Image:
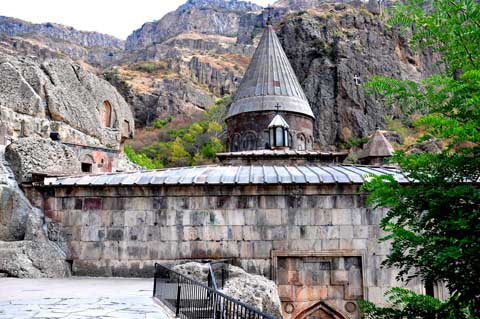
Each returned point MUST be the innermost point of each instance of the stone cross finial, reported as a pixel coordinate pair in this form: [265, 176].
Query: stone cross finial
[356, 78]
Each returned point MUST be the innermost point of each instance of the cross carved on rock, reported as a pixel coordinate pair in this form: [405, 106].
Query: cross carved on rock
[356, 78]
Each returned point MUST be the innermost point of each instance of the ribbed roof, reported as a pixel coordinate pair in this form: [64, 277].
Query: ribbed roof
[378, 146]
[244, 174]
[269, 80]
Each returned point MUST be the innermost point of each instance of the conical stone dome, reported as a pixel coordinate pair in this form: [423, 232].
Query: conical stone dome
[270, 80]
[269, 87]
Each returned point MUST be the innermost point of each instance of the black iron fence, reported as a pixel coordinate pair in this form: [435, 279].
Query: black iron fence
[218, 273]
[191, 299]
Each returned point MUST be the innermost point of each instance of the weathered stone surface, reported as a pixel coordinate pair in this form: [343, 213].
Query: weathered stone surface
[57, 95]
[32, 259]
[45, 38]
[18, 219]
[27, 155]
[254, 290]
[14, 210]
[24, 249]
[17, 94]
[204, 16]
[76, 96]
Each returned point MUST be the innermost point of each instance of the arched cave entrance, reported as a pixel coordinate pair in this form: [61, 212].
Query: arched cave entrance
[319, 310]
[106, 114]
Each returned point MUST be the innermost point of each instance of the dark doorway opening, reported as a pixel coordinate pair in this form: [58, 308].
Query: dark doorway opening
[86, 167]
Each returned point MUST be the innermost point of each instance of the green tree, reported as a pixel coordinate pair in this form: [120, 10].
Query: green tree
[142, 159]
[434, 222]
[179, 155]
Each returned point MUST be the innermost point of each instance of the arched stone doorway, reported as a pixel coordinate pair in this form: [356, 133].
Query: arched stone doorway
[319, 310]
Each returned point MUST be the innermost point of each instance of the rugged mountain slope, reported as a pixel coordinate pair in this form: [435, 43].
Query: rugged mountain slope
[181, 76]
[92, 47]
[183, 62]
[329, 48]
[218, 17]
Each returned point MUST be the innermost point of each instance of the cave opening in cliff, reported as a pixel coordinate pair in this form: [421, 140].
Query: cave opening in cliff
[107, 114]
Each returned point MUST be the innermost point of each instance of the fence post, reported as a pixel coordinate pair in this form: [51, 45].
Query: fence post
[223, 276]
[155, 281]
[177, 310]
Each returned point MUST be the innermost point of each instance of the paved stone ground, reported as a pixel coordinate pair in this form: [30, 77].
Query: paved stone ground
[72, 298]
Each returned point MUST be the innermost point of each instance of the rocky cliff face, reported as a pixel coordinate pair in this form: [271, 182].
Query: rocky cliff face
[333, 52]
[17, 27]
[58, 95]
[180, 76]
[219, 17]
[180, 64]
[25, 250]
[92, 47]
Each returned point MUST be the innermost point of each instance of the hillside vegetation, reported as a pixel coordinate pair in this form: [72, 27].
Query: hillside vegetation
[179, 141]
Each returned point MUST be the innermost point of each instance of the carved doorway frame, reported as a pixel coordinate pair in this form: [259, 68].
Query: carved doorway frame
[320, 305]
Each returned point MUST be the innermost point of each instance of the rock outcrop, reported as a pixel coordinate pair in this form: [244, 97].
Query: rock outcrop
[217, 17]
[181, 76]
[432, 145]
[92, 47]
[25, 251]
[32, 259]
[58, 95]
[39, 155]
[333, 52]
[254, 290]
[17, 27]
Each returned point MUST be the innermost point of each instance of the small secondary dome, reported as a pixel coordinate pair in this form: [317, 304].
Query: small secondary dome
[278, 121]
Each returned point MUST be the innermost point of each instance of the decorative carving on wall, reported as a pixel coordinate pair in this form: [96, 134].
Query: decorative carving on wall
[319, 283]
[249, 141]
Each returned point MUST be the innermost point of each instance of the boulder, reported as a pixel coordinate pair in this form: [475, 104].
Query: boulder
[39, 155]
[429, 146]
[14, 212]
[25, 250]
[32, 259]
[253, 290]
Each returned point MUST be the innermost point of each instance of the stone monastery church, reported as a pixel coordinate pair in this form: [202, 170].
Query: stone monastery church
[272, 204]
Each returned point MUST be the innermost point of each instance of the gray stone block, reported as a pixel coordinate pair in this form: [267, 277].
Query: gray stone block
[341, 217]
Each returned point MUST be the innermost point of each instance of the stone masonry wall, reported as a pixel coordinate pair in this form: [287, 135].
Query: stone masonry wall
[241, 126]
[123, 231]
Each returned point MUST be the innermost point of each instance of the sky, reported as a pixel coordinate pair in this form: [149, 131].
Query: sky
[115, 17]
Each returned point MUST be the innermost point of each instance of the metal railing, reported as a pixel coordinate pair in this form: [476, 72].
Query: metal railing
[191, 299]
[218, 273]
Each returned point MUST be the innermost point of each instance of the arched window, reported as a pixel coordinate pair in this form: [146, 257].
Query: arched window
[235, 143]
[309, 143]
[301, 142]
[106, 114]
[249, 142]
